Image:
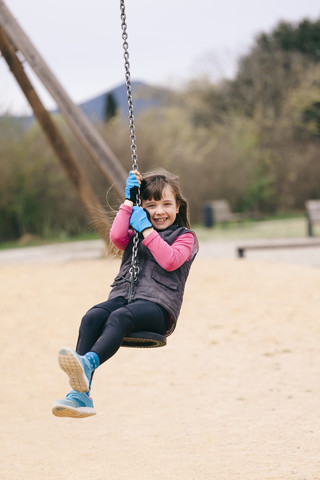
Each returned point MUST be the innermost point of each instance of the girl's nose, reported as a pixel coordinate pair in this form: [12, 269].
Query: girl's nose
[159, 209]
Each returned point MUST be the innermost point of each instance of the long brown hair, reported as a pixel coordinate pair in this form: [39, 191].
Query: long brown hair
[152, 187]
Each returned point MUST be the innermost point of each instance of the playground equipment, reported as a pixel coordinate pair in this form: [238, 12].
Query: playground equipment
[16, 48]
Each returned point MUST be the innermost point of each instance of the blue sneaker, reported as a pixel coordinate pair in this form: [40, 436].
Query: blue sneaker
[77, 368]
[75, 405]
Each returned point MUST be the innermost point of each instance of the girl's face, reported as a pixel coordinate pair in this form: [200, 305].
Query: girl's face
[162, 212]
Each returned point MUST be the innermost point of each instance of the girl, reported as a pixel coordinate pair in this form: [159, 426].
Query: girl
[166, 250]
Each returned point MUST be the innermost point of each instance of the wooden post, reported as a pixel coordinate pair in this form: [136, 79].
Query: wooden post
[75, 118]
[74, 172]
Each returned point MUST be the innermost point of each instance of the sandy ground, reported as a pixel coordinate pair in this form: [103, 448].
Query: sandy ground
[235, 394]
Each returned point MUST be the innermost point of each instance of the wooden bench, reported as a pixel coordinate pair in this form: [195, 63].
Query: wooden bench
[219, 211]
[313, 214]
[276, 244]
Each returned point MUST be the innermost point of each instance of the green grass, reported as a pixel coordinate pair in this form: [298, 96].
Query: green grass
[271, 228]
[280, 227]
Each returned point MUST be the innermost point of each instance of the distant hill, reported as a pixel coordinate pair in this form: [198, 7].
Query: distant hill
[144, 97]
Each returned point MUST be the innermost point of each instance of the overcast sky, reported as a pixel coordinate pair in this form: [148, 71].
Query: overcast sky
[170, 41]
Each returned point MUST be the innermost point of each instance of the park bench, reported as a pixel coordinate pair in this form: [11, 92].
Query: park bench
[219, 211]
[313, 214]
[276, 244]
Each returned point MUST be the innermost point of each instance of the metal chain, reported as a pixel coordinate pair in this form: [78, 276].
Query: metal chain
[134, 269]
[125, 46]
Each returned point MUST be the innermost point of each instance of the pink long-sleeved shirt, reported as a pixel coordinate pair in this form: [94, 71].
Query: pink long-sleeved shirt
[169, 257]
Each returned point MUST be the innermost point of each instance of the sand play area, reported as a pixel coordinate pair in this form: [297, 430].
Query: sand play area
[234, 396]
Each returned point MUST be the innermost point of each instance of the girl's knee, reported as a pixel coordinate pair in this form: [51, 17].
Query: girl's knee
[121, 319]
[95, 317]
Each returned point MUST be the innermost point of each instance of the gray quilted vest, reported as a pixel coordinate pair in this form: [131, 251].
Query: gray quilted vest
[154, 283]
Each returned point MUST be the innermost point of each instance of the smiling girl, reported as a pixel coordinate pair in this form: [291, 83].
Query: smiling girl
[166, 251]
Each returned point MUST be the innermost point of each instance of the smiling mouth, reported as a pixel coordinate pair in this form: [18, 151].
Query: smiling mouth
[160, 220]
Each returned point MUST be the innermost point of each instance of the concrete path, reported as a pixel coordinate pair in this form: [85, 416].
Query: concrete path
[86, 250]
[58, 252]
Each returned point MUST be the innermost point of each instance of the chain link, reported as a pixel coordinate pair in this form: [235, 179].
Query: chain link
[134, 269]
[125, 46]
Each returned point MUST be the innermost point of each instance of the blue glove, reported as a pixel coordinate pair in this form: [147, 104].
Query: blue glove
[132, 187]
[139, 219]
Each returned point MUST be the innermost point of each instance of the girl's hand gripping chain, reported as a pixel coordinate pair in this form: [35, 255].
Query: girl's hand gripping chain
[139, 219]
[132, 186]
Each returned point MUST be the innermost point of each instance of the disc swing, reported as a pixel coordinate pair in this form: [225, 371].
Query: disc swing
[135, 339]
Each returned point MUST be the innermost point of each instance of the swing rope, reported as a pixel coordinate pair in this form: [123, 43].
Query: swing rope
[135, 339]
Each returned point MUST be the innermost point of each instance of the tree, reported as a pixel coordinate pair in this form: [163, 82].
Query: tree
[278, 63]
[303, 37]
[111, 107]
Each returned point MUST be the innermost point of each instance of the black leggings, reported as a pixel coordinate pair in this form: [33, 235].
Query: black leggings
[105, 325]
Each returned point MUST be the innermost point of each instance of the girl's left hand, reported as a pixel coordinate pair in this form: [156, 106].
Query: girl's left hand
[139, 219]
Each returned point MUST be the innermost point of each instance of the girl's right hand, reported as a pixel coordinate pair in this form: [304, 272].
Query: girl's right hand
[132, 185]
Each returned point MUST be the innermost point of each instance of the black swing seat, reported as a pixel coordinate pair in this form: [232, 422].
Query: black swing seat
[144, 340]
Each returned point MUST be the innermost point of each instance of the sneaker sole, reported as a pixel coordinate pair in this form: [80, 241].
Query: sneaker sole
[72, 367]
[81, 412]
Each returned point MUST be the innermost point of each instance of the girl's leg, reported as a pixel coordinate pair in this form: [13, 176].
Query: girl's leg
[136, 316]
[101, 332]
[93, 323]
[80, 365]
[149, 316]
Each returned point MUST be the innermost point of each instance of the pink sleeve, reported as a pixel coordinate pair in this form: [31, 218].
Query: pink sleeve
[120, 234]
[170, 257]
